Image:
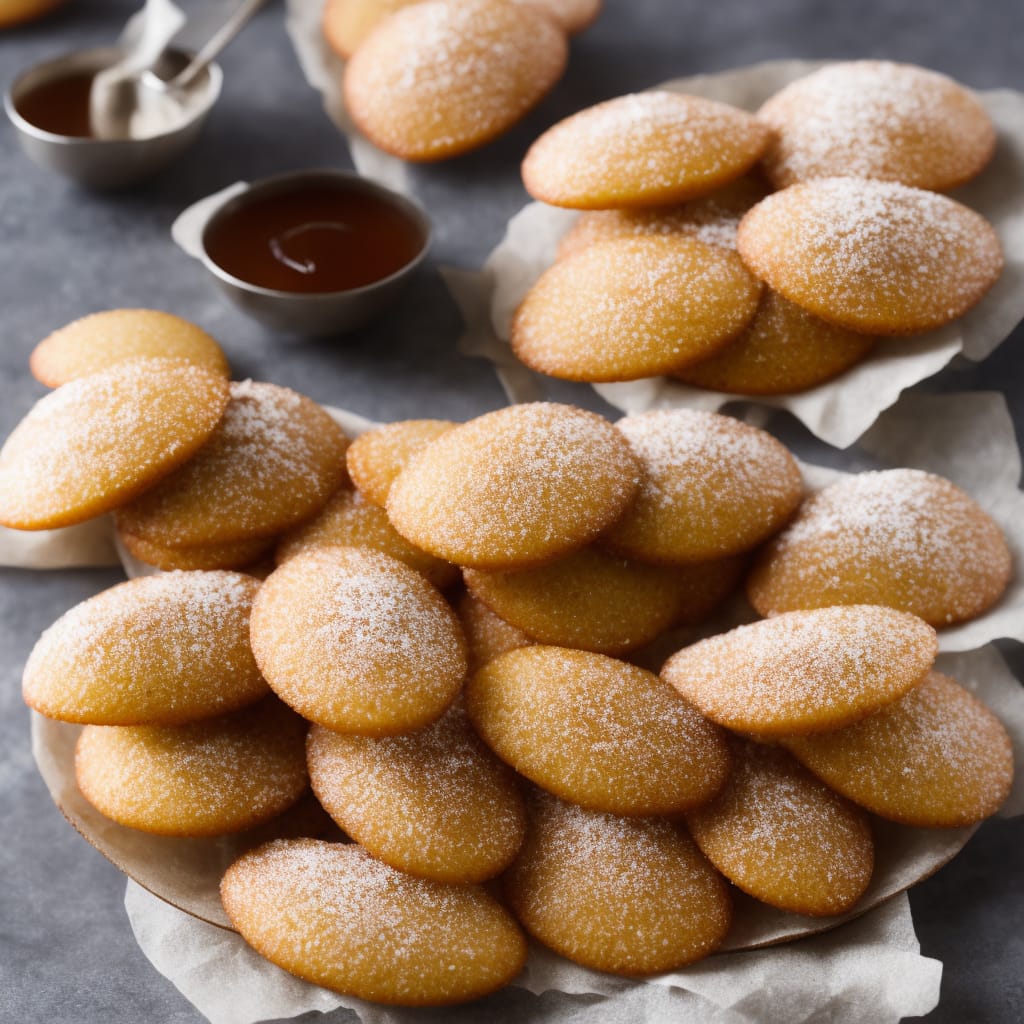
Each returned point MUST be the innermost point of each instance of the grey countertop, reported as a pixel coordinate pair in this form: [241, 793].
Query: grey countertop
[66, 950]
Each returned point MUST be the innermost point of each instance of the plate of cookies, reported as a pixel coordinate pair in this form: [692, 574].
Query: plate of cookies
[405, 697]
[829, 237]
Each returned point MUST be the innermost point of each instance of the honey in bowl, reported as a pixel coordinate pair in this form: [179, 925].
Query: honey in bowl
[314, 236]
[60, 106]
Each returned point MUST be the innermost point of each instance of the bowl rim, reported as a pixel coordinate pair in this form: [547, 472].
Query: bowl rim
[407, 205]
[97, 58]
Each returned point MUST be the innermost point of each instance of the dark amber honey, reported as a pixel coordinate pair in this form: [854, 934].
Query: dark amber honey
[314, 237]
[60, 106]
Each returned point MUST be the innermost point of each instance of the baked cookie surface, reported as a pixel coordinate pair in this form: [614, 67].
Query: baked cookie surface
[644, 149]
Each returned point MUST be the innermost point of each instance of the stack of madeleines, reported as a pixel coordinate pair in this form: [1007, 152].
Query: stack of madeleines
[685, 262]
[431, 79]
[505, 728]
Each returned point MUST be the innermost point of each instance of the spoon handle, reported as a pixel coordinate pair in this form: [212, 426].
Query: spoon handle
[216, 43]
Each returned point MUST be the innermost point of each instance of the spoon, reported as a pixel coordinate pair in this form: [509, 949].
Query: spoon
[136, 102]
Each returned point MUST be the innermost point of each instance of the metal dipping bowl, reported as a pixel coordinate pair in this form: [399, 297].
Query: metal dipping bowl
[107, 163]
[315, 314]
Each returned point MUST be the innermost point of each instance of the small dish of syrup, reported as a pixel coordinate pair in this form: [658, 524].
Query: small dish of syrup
[313, 252]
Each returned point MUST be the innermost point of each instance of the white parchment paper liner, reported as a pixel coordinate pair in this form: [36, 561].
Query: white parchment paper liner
[838, 411]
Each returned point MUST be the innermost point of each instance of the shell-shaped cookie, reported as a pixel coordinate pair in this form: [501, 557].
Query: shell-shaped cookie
[596, 731]
[101, 340]
[331, 914]
[804, 672]
[164, 649]
[938, 758]
[900, 537]
[346, 23]
[207, 778]
[274, 459]
[98, 441]
[643, 149]
[633, 307]
[487, 634]
[713, 218]
[375, 458]
[783, 837]
[349, 520]
[784, 349]
[357, 641]
[439, 78]
[712, 487]
[517, 487]
[435, 803]
[630, 896]
[594, 601]
[872, 256]
[877, 119]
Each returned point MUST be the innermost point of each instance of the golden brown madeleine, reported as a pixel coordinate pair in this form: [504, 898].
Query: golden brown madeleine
[900, 537]
[163, 650]
[207, 778]
[644, 149]
[872, 256]
[357, 641]
[589, 600]
[331, 914]
[437, 79]
[487, 634]
[596, 731]
[375, 458]
[631, 896]
[101, 340]
[346, 23]
[435, 803]
[515, 488]
[804, 672]
[99, 441]
[274, 459]
[236, 555]
[783, 837]
[784, 349]
[712, 487]
[938, 758]
[632, 308]
[713, 218]
[349, 520]
[877, 119]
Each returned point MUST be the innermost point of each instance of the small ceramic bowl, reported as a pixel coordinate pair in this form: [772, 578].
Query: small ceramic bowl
[107, 163]
[315, 314]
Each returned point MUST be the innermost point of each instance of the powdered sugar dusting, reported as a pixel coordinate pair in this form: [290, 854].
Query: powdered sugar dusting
[783, 837]
[901, 537]
[207, 778]
[274, 459]
[877, 119]
[640, 149]
[435, 802]
[165, 648]
[515, 487]
[99, 440]
[804, 672]
[712, 486]
[596, 731]
[332, 914]
[441, 77]
[356, 640]
[632, 307]
[872, 255]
